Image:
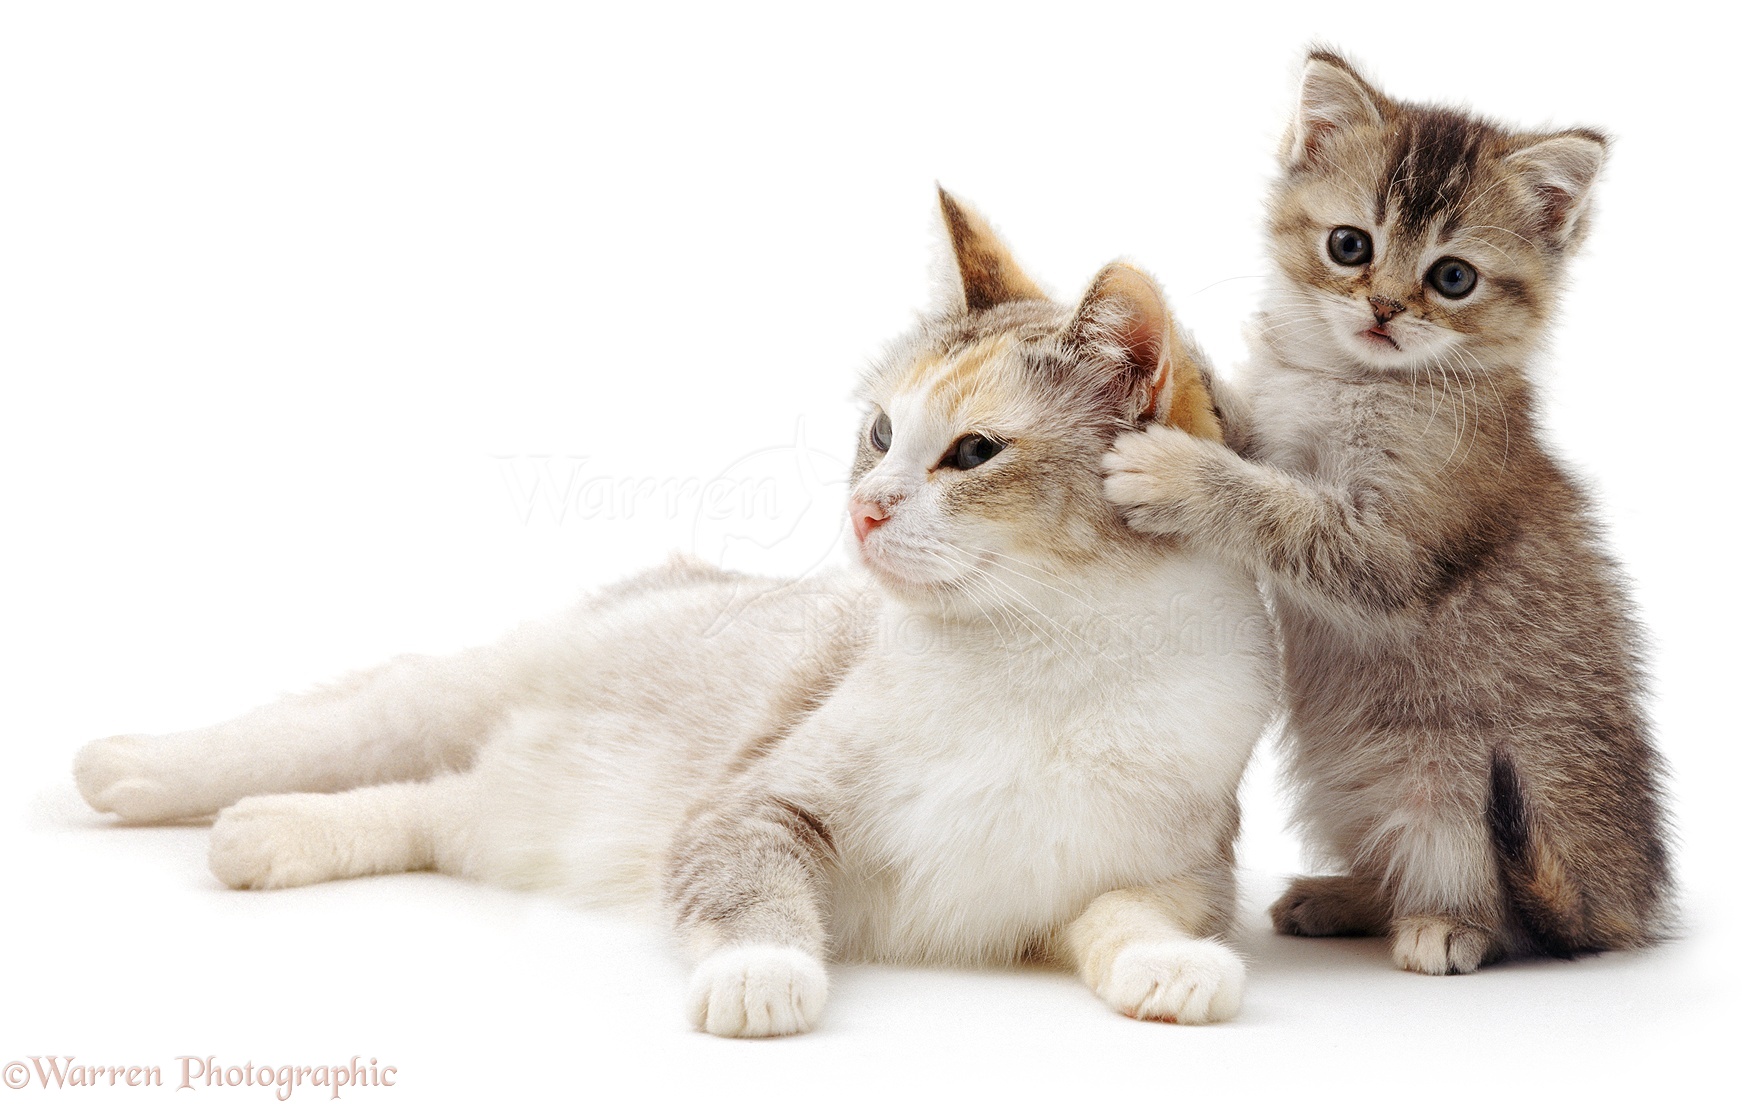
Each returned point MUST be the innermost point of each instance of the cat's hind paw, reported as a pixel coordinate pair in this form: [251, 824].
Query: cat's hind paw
[752, 991]
[117, 775]
[277, 841]
[1333, 905]
[1185, 981]
[1441, 945]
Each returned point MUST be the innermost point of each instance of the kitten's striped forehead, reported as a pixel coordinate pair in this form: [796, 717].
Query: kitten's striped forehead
[1431, 160]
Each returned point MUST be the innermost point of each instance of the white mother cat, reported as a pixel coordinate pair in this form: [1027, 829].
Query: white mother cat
[1017, 732]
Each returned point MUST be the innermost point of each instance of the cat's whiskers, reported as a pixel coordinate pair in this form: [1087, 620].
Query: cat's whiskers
[1082, 596]
[1461, 238]
[1483, 195]
[1060, 638]
[1498, 402]
[1502, 230]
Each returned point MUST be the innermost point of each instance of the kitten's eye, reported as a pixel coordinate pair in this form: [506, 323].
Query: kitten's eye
[971, 452]
[1349, 245]
[1451, 278]
[880, 432]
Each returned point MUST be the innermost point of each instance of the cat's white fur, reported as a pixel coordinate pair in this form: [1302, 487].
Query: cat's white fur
[1045, 766]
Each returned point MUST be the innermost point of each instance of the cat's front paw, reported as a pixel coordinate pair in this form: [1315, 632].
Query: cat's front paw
[758, 990]
[119, 775]
[1152, 476]
[1441, 945]
[1185, 981]
[274, 842]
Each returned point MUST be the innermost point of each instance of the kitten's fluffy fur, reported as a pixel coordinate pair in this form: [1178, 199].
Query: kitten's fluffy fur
[1020, 734]
[1466, 729]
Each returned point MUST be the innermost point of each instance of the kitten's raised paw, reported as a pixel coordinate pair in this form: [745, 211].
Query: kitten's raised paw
[274, 842]
[757, 990]
[116, 775]
[1151, 474]
[1441, 945]
[1183, 981]
[1329, 906]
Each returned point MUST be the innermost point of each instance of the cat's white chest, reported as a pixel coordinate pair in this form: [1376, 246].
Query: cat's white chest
[990, 814]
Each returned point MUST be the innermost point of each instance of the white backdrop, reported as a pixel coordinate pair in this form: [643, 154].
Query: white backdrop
[332, 331]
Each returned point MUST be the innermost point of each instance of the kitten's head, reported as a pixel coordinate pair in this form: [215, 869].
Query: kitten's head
[978, 478]
[1409, 236]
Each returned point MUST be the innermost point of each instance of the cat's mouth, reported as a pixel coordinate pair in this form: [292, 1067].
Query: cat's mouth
[900, 570]
[1378, 337]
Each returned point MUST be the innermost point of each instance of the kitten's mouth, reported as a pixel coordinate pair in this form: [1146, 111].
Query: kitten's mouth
[1379, 336]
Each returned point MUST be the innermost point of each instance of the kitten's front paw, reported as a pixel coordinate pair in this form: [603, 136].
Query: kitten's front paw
[117, 775]
[274, 842]
[1441, 945]
[1184, 981]
[757, 990]
[1151, 476]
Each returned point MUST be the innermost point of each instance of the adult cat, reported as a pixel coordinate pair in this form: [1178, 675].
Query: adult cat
[1018, 731]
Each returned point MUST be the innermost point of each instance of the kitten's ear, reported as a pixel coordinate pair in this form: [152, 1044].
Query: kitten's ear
[1332, 98]
[1127, 345]
[986, 274]
[1559, 170]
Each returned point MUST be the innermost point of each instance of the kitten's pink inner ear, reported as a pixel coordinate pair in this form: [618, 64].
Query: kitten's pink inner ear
[1560, 171]
[1332, 98]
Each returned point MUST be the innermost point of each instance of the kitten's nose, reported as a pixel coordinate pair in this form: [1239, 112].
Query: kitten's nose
[1385, 309]
[866, 516]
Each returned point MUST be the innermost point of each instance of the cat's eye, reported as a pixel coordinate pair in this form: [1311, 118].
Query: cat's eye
[971, 451]
[1451, 278]
[880, 432]
[1349, 245]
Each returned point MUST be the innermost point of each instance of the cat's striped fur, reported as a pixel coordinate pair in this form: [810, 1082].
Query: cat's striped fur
[1463, 666]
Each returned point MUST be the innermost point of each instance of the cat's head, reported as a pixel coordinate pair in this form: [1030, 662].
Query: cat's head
[1409, 237]
[978, 477]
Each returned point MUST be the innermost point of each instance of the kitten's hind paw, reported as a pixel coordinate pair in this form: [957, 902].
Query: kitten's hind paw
[757, 990]
[117, 775]
[1341, 905]
[1442, 945]
[1184, 981]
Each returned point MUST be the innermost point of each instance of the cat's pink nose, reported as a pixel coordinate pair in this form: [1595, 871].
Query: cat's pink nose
[1385, 309]
[866, 516]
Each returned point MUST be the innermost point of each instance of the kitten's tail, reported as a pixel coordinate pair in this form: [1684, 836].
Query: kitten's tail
[1544, 898]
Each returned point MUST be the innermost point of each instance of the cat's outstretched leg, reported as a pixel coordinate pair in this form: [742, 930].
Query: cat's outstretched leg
[275, 841]
[745, 886]
[1148, 952]
[408, 719]
[1343, 904]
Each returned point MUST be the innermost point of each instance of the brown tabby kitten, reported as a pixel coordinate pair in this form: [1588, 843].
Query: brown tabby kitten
[1466, 731]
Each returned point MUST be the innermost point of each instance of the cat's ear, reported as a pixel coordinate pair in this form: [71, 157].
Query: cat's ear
[1559, 170]
[1127, 347]
[985, 274]
[1332, 98]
